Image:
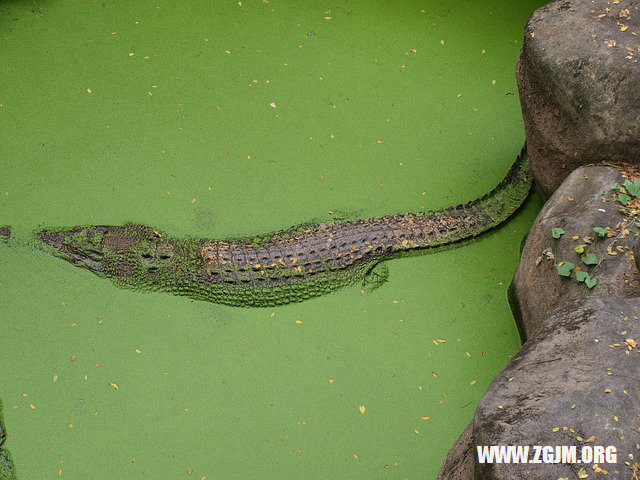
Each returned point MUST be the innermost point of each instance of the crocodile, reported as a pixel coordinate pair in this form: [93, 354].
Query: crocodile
[280, 267]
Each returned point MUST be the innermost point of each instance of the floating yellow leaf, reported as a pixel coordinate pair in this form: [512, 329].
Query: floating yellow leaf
[426, 417]
[362, 408]
[115, 386]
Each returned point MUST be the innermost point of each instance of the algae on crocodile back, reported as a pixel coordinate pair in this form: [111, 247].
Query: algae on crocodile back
[7, 472]
[281, 267]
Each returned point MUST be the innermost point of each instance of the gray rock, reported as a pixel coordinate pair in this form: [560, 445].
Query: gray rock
[579, 77]
[584, 201]
[575, 383]
[459, 462]
[7, 471]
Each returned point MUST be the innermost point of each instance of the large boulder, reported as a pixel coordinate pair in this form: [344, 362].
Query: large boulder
[575, 383]
[459, 463]
[584, 201]
[579, 77]
[7, 471]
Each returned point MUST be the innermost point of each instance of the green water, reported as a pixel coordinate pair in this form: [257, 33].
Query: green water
[160, 113]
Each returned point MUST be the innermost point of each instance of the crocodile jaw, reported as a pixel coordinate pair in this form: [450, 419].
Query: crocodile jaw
[66, 246]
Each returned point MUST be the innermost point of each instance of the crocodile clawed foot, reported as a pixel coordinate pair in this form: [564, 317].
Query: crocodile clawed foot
[375, 277]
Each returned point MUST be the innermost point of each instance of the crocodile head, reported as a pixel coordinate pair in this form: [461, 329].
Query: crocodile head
[132, 253]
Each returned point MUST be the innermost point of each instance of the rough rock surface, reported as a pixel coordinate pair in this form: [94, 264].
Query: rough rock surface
[7, 471]
[460, 460]
[576, 382]
[579, 77]
[584, 201]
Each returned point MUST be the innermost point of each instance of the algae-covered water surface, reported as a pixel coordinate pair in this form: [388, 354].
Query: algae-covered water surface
[224, 118]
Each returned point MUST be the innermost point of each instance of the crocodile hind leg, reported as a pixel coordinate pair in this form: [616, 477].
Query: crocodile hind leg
[375, 277]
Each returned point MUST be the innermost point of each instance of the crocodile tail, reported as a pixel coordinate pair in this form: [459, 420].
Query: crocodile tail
[511, 192]
[493, 208]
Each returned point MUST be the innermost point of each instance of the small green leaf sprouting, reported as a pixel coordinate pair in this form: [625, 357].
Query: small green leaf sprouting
[602, 233]
[581, 276]
[623, 198]
[564, 268]
[632, 188]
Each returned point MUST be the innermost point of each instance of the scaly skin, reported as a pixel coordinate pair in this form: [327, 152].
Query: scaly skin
[281, 267]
